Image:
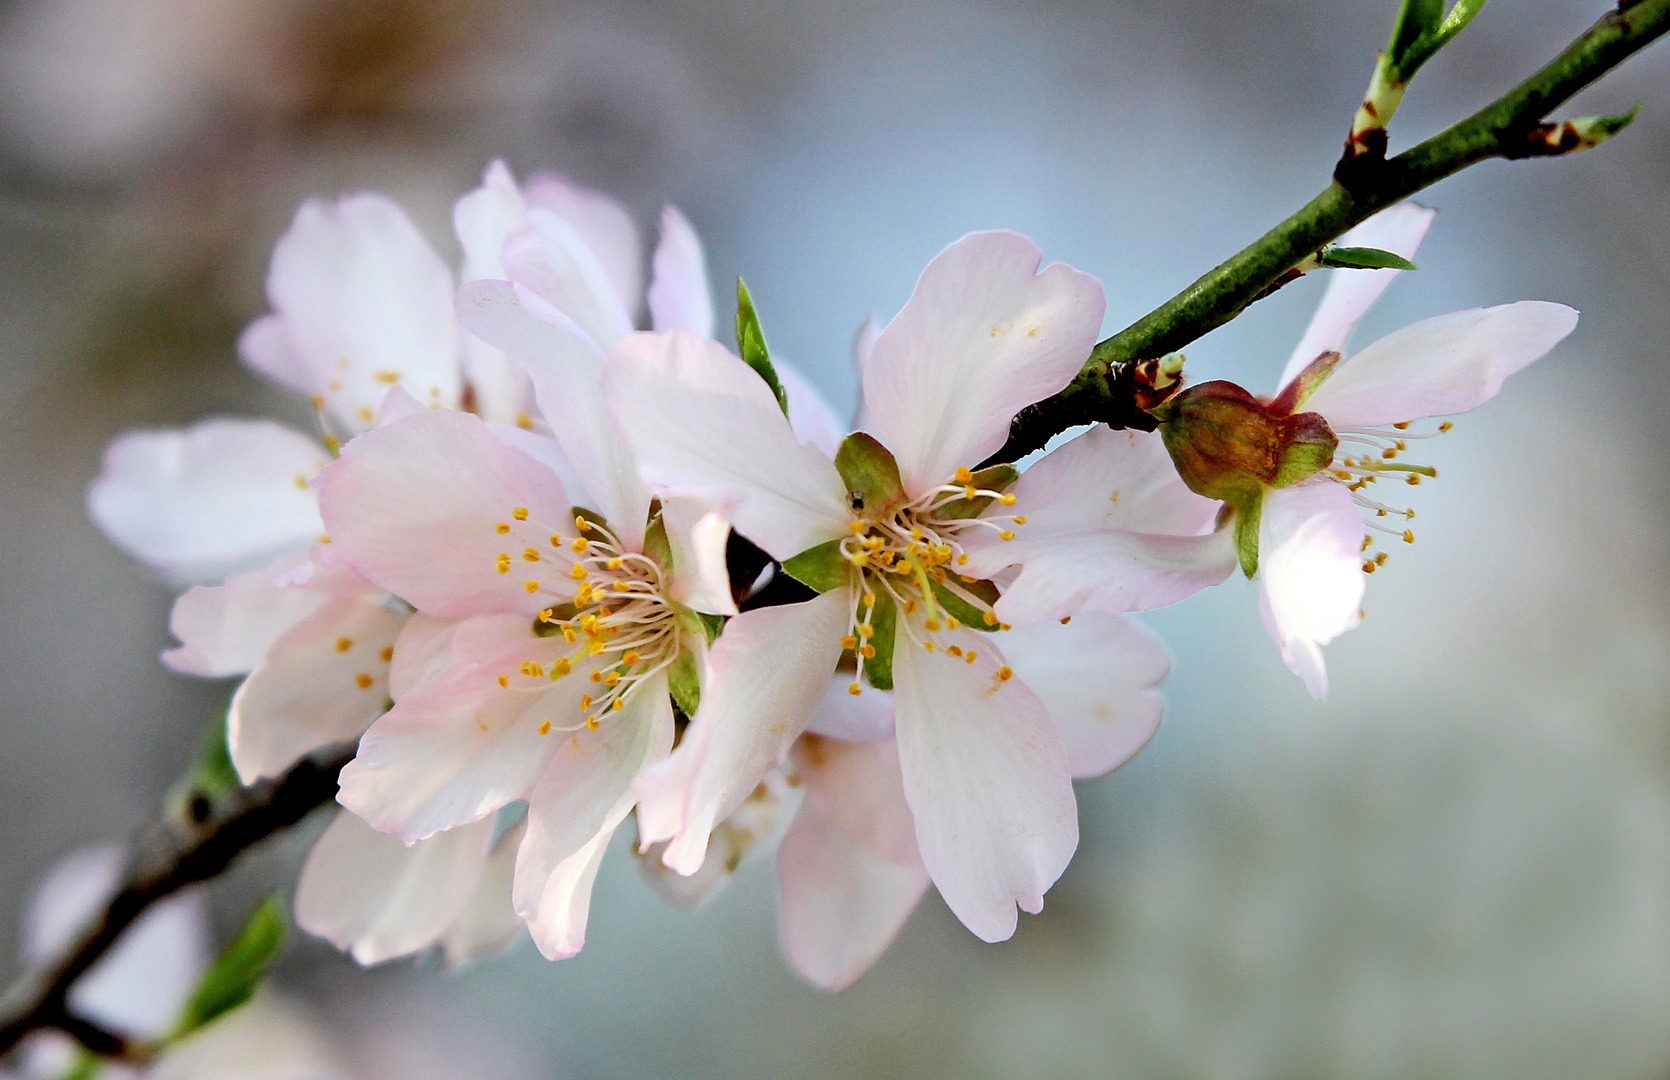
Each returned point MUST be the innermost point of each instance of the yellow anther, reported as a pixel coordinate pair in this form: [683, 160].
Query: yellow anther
[578, 546]
[332, 443]
[545, 727]
[1368, 567]
[631, 657]
[1366, 543]
[928, 645]
[855, 689]
[582, 595]
[910, 606]
[366, 415]
[1380, 559]
[1413, 481]
[1004, 626]
[344, 644]
[596, 677]
[577, 572]
[970, 578]
[502, 527]
[1389, 453]
[1446, 425]
[533, 669]
[969, 492]
[857, 527]
[504, 681]
[612, 679]
[1006, 534]
[1065, 619]
[849, 642]
[585, 702]
[581, 523]
[951, 622]
[547, 614]
[591, 722]
[569, 635]
[971, 656]
[556, 541]
[963, 475]
[318, 401]
[865, 630]
[962, 560]
[520, 513]
[615, 563]
[620, 703]
[364, 680]
[530, 555]
[1380, 513]
[387, 654]
[524, 421]
[989, 619]
[1006, 499]
[623, 586]
[531, 587]
[1403, 426]
[1020, 519]
[1004, 674]
[867, 651]
[1409, 514]
[561, 667]
[955, 650]
[932, 625]
[1409, 536]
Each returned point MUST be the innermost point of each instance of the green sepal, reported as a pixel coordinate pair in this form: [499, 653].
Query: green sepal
[1248, 513]
[870, 474]
[590, 515]
[236, 974]
[964, 612]
[1362, 258]
[684, 680]
[561, 613]
[995, 478]
[820, 568]
[1308, 449]
[750, 344]
[884, 618]
[657, 545]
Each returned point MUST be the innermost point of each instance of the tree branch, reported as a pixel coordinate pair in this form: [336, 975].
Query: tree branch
[175, 855]
[1510, 127]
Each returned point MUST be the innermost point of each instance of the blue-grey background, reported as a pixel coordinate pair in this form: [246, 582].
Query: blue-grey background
[1457, 867]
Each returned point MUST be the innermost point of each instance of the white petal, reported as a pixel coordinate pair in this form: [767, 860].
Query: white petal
[811, 417]
[1110, 572]
[483, 219]
[1398, 229]
[764, 679]
[602, 223]
[227, 629]
[323, 682]
[365, 302]
[678, 294]
[984, 335]
[372, 896]
[1310, 571]
[1106, 479]
[987, 780]
[848, 872]
[699, 534]
[559, 927]
[753, 827]
[422, 651]
[551, 260]
[865, 717]
[221, 497]
[489, 923]
[1099, 677]
[701, 420]
[565, 367]
[1441, 366]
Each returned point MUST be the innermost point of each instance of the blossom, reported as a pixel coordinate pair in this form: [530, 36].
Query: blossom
[1308, 538]
[881, 532]
[849, 870]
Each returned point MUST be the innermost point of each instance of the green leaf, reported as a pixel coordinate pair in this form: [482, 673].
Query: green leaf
[750, 344]
[212, 777]
[996, 478]
[1416, 20]
[238, 972]
[821, 568]
[884, 618]
[1362, 258]
[1248, 514]
[685, 682]
[871, 475]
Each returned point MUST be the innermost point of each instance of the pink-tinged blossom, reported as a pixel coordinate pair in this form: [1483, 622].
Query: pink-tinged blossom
[1313, 553]
[985, 333]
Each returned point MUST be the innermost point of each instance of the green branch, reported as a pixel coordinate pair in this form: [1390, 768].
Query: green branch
[1510, 127]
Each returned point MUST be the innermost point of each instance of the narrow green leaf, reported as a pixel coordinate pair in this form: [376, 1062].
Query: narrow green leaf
[884, 619]
[1417, 19]
[821, 568]
[1362, 258]
[685, 682]
[870, 473]
[238, 972]
[1460, 15]
[750, 344]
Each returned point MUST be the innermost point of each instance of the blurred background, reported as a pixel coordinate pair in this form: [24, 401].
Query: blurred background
[1458, 866]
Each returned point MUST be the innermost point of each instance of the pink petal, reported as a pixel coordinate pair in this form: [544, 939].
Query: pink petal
[984, 335]
[863, 348]
[488, 924]
[375, 898]
[702, 421]
[559, 925]
[416, 506]
[602, 223]
[1099, 677]
[865, 717]
[699, 534]
[763, 681]
[221, 497]
[422, 651]
[365, 301]
[848, 872]
[1310, 572]
[678, 294]
[227, 629]
[483, 219]
[552, 261]
[811, 416]
[1110, 572]
[1441, 366]
[1398, 229]
[988, 782]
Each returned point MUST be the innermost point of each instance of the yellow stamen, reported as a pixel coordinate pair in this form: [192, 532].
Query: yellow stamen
[520, 513]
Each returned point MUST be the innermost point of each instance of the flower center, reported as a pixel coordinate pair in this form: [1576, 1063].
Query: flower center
[1368, 456]
[910, 555]
[613, 616]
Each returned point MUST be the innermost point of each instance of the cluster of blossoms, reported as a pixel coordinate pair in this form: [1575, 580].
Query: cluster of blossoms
[551, 572]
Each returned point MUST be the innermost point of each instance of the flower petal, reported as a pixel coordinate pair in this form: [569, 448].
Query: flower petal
[701, 420]
[422, 651]
[375, 898]
[1441, 366]
[366, 302]
[811, 417]
[1110, 572]
[984, 335]
[763, 681]
[483, 219]
[1398, 229]
[1099, 677]
[323, 682]
[848, 872]
[227, 629]
[988, 782]
[552, 261]
[221, 497]
[863, 348]
[416, 506]
[566, 368]
[559, 926]
[757, 825]
[460, 746]
[866, 717]
[1106, 479]
[1310, 571]
[601, 222]
[699, 534]
[489, 923]
[678, 294]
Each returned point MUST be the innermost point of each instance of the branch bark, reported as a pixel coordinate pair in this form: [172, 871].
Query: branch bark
[1510, 127]
[175, 855]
